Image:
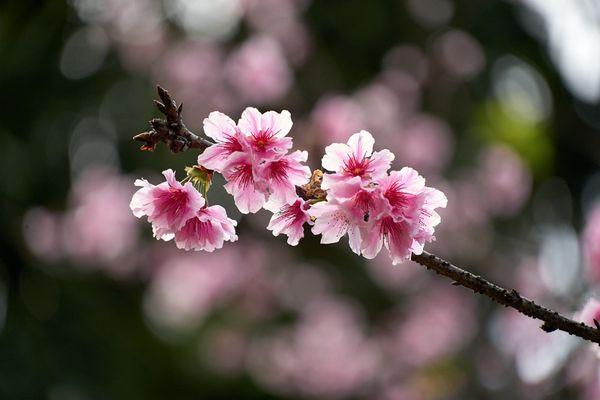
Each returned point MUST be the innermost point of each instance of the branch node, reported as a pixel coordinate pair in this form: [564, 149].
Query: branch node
[170, 131]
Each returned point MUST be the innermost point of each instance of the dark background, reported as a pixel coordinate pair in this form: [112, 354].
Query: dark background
[488, 91]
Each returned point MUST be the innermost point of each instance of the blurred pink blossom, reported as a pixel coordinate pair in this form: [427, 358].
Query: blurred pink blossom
[537, 354]
[430, 13]
[98, 227]
[188, 286]
[465, 217]
[298, 285]
[434, 325]
[426, 143]
[408, 59]
[407, 90]
[281, 20]
[380, 106]
[460, 53]
[326, 355]
[505, 180]
[125, 21]
[258, 70]
[591, 245]
[335, 116]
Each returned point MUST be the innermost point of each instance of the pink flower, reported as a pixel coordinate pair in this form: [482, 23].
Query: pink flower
[283, 175]
[356, 158]
[249, 193]
[335, 219]
[223, 130]
[168, 205]
[408, 221]
[252, 157]
[266, 133]
[347, 211]
[397, 234]
[207, 230]
[590, 312]
[290, 220]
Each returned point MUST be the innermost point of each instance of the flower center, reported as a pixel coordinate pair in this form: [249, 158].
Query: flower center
[263, 139]
[356, 167]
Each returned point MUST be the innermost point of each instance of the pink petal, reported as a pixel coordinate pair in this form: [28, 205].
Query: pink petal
[219, 126]
[334, 157]
[278, 123]
[361, 144]
[380, 162]
[331, 222]
[250, 122]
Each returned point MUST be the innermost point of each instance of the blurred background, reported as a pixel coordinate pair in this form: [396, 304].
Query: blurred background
[494, 102]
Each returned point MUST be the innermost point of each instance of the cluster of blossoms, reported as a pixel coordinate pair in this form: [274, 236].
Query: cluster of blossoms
[358, 196]
[180, 212]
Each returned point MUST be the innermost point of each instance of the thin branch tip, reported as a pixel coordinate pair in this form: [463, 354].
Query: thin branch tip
[508, 297]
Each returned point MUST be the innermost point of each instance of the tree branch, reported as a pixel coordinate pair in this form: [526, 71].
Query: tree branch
[509, 298]
[178, 138]
[171, 131]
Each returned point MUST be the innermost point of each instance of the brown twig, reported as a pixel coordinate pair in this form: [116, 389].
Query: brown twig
[178, 138]
[509, 298]
[171, 131]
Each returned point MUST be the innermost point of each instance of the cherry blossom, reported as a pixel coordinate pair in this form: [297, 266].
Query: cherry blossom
[408, 222]
[223, 130]
[372, 207]
[283, 175]
[253, 158]
[358, 198]
[207, 230]
[168, 205]
[290, 220]
[348, 208]
[249, 193]
[266, 134]
[334, 220]
[355, 158]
